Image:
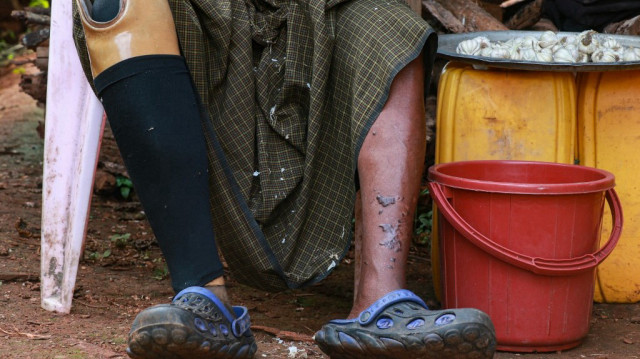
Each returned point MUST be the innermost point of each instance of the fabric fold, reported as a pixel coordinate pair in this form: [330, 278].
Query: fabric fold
[291, 88]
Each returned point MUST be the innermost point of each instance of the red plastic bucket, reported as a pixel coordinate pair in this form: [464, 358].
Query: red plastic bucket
[519, 241]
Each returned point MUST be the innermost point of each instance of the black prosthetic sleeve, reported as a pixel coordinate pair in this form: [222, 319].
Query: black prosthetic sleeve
[156, 118]
[105, 10]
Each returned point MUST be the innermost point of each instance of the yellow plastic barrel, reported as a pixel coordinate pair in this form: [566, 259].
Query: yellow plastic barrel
[609, 139]
[499, 114]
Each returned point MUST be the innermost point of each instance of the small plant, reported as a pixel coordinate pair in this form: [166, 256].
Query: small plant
[40, 3]
[97, 255]
[423, 221]
[120, 240]
[8, 51]
[160, 273]
[125, 185]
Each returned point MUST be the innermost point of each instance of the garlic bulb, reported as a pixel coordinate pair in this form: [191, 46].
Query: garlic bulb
[515, 54]
[611, 43]
[563, 55]
[573, 50]
[605, 55]
[528, 54]
[500, 53]
[517, 42]
[529, 42]
[587, 42]
[556, 47]
[548, 39]
[631, 55]
[544, 55]
[484, 41]
[568, 40]
[468, 47]
[486, 52]
[473, 46]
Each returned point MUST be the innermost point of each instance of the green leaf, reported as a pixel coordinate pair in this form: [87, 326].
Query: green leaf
[120, 240]
[122, 181]
[39, 3]
[117, 237]
[124, 192]
[106, 253]
[161, 273]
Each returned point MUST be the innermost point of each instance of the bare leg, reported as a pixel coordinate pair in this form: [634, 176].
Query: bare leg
[390, 167]
[357, 244]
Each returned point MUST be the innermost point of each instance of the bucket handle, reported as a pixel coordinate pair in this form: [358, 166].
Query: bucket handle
[550, 267]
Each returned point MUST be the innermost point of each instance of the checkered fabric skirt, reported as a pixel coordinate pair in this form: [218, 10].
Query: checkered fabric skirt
[291, 88]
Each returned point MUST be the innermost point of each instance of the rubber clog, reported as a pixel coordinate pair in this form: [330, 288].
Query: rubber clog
[400, 326]
[196, 325]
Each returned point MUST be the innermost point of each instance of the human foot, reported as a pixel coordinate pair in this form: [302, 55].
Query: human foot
[195, 325]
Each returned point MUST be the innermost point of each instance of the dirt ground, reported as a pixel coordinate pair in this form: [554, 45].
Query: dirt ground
[123, 272]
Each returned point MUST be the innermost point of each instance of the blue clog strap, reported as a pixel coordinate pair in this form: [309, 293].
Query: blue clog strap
[240, 322]
[401, 295]
[369, 314]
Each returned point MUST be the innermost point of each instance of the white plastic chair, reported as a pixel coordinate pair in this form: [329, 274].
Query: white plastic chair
[73, 131]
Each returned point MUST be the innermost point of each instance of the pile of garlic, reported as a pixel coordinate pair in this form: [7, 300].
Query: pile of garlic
[586, 46]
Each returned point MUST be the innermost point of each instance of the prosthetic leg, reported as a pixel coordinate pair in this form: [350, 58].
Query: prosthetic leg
[141, 27]
[157, 121]
[155, 115]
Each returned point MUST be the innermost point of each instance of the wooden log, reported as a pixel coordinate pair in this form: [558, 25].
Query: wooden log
[472, 16]
[493, 8]
[283, 334]
[415, 6]
[42, 58]
[13, 49]
[39, 10]
[18, 277]
[104, 183]
[625, 27]
[526, 17]
[31, 18]
[544, 25]
[33, 39]
[35, 86]
[444, 17]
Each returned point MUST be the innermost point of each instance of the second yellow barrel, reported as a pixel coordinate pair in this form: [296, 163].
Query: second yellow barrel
[609, 138]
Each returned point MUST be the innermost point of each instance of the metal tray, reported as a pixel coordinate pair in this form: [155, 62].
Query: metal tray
[447, 48]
